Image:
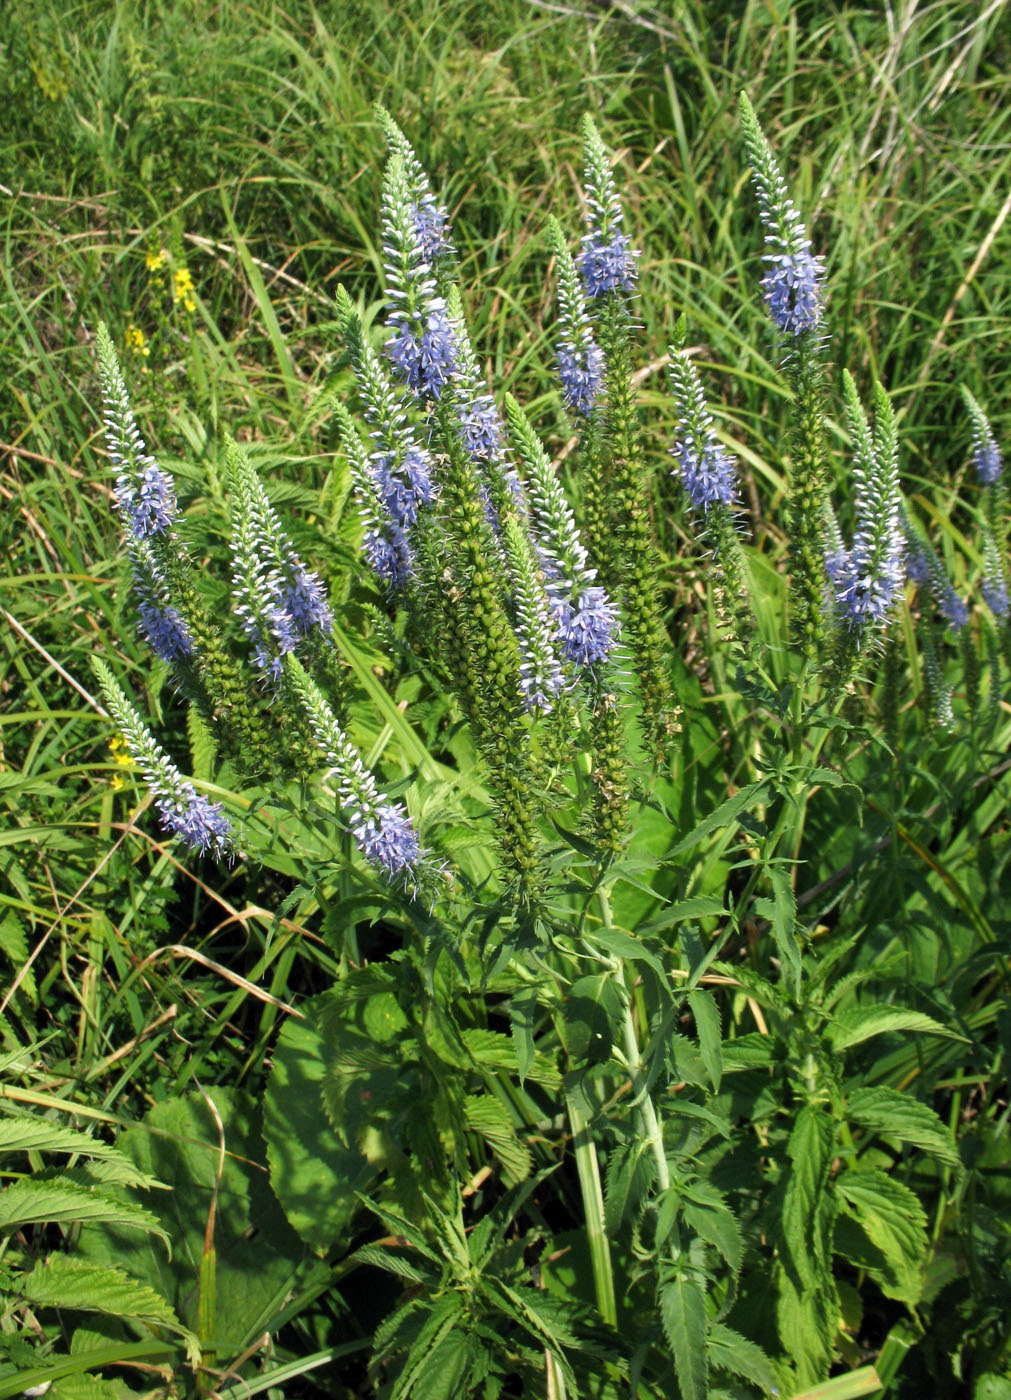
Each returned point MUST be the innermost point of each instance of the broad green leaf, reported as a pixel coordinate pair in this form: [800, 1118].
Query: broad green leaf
[65, 1281]
[862, 1023]
[810, 1151]
[258, 1255]
[896, 1115]
[35, 1202]
[707, 1023]
[592, 1011]
[894, 1221]
[729, 1351]
[315, 1176]
[683, 1314]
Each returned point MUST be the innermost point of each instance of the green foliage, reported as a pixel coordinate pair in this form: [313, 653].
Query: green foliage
[721, 1110]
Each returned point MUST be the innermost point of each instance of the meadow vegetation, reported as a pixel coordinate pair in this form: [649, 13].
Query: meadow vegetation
[800, 908]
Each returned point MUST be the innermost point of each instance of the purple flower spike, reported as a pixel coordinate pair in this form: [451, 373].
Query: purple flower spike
[304, 600]
[708, 475]
[425, 362]
[482, 429]
[165, 631]
[200, 823]
[987, 460]
[588, 631]
[995, 595]
[150, 504]
[386, 839]
[582, 376]
[388, 558]
[952, 609]
[431, 228]
[607, 265]
[793, 289]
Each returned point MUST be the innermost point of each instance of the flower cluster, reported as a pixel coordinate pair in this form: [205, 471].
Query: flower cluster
[607, 262]
[584, 617]
[986, 455]
[279, 602]
[580, 359]
[184, 812]
[163, 625]
[381, 829]
[793, 287]
[707, 472]
[867, 579]
[143, 492]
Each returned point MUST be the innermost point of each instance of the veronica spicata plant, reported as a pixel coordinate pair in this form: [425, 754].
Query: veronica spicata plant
[600, 1097]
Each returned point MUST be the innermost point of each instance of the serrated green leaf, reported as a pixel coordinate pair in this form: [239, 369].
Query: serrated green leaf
[724, 815]
[729, 1351]
[629, 1176]
[63, 1281]
[707, 1024]
[491, 1121]
[810, 1151]
[784, 920]
[862, 1023]
[14, 942]
[683, 1315]
[807, 1319]
[34, 1202]
[897, 1115]
[623, 945]
[710, 1217]
[203, 746]
[894, 1221]
[315, 1176]
[258, 1255]
[29, 1133]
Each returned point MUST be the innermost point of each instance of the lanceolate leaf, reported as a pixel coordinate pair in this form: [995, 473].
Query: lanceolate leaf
[895, 1115]
[34, 1202]
[729, 1351]
[683, 1314]
[707, 1023]
[65, 1282]
[24, 1133]
[862, 1023]
[711, 1218]
[810, 1152]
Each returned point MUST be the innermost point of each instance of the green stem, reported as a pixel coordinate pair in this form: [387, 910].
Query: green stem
[593, 1208]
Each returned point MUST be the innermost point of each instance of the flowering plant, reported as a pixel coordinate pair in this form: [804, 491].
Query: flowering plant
[534, 1060]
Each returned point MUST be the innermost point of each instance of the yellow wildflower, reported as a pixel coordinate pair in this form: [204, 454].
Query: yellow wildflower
[154, 260]
[136, 341]
[182, 289]
[116, 783]
[120, 752]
